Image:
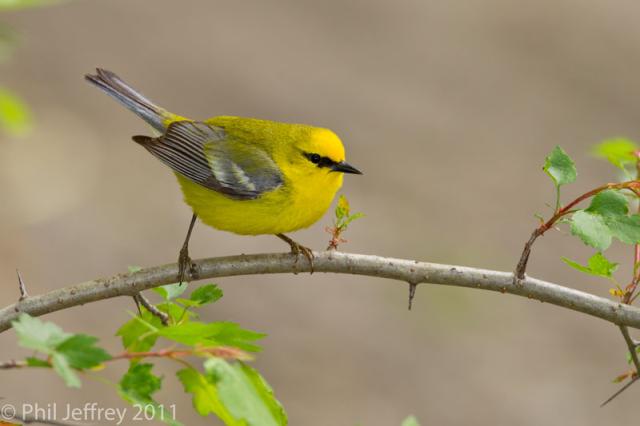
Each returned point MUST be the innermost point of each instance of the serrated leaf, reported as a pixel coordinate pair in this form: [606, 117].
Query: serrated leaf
[625, 228]
[245, 393]
[410, 421]
[212, 334]
[81, 352]
[606, 217]
[598, 265]
[66, 351]
[171, 291]
[206, 294]
[62, 367]
[38, 335]
[139, 384]
[138, 334]
[609, 203]
[205, 396]
[560, 167]
[591, 229]
[619, 151]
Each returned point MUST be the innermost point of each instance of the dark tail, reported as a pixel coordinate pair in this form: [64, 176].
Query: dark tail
[113, 86]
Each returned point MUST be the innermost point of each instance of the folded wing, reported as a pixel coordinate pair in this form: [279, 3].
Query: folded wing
[204, 154]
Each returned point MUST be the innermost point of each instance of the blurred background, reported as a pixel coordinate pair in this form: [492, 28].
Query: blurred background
[449, 108]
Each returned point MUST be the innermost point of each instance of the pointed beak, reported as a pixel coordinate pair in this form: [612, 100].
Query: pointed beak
[345, 168]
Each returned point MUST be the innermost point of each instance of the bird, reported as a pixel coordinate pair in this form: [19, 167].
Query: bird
[243, 175]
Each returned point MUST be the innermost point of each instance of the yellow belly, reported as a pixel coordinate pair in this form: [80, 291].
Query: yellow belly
[283, 210]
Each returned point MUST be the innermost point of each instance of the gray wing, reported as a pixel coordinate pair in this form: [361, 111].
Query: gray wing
[204, 154]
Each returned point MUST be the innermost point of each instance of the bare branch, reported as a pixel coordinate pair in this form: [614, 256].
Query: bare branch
[634, 357]
[11, 364]
[622, 389]
[335, 262]
[632, 347]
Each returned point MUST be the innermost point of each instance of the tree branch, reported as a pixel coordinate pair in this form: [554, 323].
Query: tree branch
[408, 271]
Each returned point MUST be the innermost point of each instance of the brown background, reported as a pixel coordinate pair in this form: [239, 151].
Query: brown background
[448, 107]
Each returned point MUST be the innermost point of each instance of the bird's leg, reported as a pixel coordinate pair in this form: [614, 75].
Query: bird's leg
[298, 249]
[184, 261]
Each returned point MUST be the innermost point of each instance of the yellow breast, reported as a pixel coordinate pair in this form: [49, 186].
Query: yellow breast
[297, 204]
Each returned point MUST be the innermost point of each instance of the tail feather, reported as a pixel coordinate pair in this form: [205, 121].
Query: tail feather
[115, 87]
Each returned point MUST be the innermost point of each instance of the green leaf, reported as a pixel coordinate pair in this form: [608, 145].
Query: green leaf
[342, 208]
[619, 151]
[626, 228]
[138, 334]
[351, 218]
[170, 291]
[410, 421]
[139, 384]
[206, 294]
[245, 393]
[62, 367]
[605, 218]
[213, 334]
[81, 352]
[38, 335]
[343, 214]
[560, 167]
[598, 265]
[66, 351]
[137, 387]
[205, 396]
[591, 229]
[15, 117]
[609, 203]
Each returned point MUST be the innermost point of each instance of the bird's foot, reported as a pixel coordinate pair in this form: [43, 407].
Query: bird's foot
[298, 249]
[185, 264]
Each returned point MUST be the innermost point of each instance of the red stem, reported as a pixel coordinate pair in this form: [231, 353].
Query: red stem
[633, 185]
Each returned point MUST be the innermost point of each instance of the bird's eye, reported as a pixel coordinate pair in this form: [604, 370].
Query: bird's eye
[315, 158]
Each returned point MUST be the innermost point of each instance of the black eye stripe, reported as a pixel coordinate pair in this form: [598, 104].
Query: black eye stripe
[319, 160]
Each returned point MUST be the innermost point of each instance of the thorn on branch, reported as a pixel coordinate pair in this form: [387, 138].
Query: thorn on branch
[141, 300]
[412, 293]
[21, 285]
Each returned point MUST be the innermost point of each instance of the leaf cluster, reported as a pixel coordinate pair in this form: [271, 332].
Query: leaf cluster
[221, 383]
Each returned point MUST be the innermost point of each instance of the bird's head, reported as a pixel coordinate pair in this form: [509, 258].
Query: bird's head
[322, 154]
